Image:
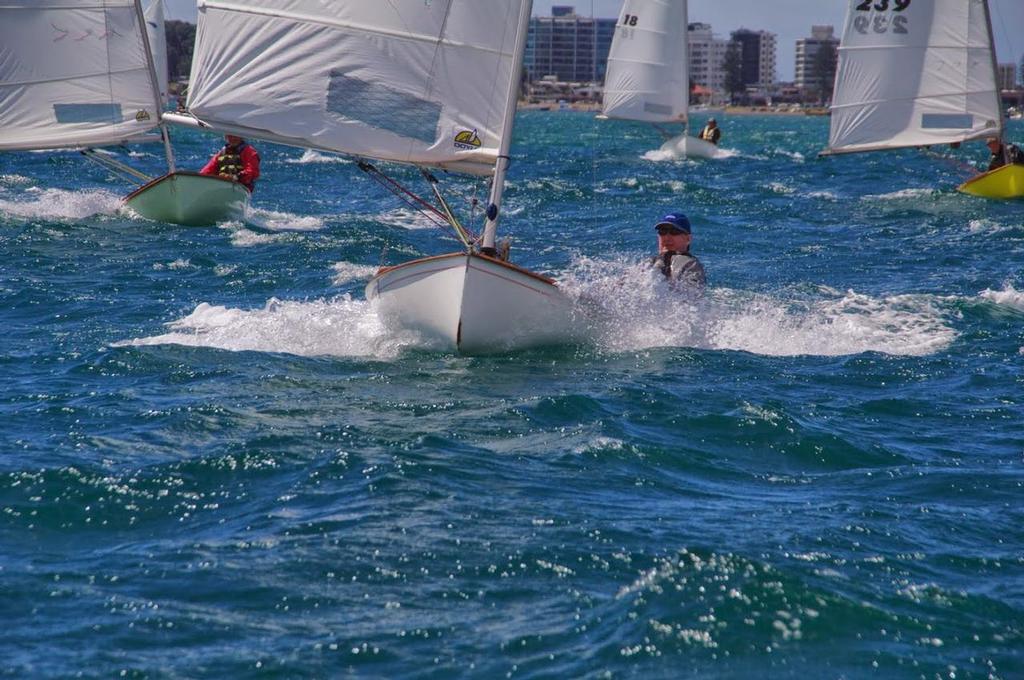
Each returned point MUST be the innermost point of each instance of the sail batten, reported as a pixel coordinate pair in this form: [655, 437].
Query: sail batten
[411, 82]
[648, 72]
[73, 74]
[914, 74]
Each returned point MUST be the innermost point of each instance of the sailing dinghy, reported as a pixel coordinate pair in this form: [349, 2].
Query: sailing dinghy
[919, 73]
[79, 74]
[431, 84]
[648, 77]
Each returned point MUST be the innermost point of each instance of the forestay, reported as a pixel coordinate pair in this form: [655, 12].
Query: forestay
[73, 73]
[913, 73]
[648, 76]
[407, 81]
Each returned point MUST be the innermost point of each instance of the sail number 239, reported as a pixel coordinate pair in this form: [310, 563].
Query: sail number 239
[881, 23]
[883, 5]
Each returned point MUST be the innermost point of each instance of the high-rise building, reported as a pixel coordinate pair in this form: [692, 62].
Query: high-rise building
[822, 37]
[757, 58]
[570, 47]
[1007, 77]
[707, 56]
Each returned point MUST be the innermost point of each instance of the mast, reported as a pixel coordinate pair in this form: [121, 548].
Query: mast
[685, 42]
[501, 165]
[995, 68]
[154, 82]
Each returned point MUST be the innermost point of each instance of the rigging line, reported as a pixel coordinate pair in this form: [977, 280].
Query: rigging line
[372, 170]
[466, 236]
[124, 171]
[666, 135]
[411, 199]
[956, 163]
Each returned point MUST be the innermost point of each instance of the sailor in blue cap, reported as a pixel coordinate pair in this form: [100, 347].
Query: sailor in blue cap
[674, 258]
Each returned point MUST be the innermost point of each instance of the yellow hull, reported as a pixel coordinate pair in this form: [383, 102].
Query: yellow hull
[1004, 182]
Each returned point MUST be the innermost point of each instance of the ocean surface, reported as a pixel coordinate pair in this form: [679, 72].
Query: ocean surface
[216, 463]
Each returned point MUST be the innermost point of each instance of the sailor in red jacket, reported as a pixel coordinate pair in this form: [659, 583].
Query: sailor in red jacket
[237, 161]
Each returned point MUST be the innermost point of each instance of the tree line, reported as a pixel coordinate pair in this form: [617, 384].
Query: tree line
[181, 38]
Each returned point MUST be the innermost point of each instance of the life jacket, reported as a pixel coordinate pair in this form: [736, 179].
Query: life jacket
[710, 134]
[230, 162]
[680, 267]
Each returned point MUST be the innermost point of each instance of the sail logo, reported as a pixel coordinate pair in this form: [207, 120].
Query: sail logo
[467, 139]
[142, 115]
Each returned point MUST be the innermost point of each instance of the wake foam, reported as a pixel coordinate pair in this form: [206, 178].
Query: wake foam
[792, 155]
[345, 272]
[407, 219]
[276, 226]
[1009, 297]
[635, 309]
[311, 156]
[902, 194]
[670, 154]
[341, 327]
[628, 307]
[246, 238]
[988, 226]
[58, 204]
[273, 220]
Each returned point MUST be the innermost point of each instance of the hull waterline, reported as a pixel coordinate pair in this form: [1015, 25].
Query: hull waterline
[190, 199]
[690, 147]
[474, 304]
[1004, 182]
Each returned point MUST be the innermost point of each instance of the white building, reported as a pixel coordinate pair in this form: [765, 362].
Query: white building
[707, 56]
[1007, 77]
[757, 57]
[806, 52]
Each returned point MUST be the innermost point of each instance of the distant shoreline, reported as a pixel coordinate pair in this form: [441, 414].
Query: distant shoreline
[595, 107]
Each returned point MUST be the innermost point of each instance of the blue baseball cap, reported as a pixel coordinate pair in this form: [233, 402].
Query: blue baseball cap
[677, 220]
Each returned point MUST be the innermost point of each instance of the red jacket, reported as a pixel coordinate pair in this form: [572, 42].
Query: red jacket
[247, 159]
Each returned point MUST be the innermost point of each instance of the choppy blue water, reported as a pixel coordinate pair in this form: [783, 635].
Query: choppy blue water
[215, 463]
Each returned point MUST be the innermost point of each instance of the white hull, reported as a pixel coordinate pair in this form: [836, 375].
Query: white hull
[690, 147]
[474, 304]
[190, 199]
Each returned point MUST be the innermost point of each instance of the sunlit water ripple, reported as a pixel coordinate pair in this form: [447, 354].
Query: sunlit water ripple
[217, 463]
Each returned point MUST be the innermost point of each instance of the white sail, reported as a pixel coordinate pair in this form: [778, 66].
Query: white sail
[648, 76]
[73, 73]
[416, 82]
[913, 73]
[158, 44]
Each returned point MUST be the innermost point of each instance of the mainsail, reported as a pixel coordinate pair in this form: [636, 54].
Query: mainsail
[156, 31]
[913, 73]
[648, 76]
[73, 73]
[414, 82]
